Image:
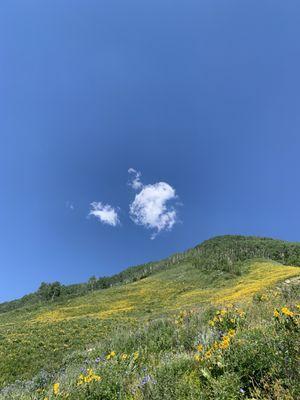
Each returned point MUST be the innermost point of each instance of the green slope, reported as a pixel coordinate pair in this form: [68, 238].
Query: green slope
[222, 253]
[42, 336]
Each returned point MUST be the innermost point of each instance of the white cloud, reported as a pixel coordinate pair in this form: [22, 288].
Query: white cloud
[151, 208]
[105, 213]
[135, 179]
[70, 205]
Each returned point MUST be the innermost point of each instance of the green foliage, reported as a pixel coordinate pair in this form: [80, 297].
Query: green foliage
[157, 362]
[229, 252]
[49, 291]
[43, 335]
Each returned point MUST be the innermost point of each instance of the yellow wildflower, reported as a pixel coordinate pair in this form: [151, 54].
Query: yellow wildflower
[287, 312]
[89, 377]
[208, 354]
[97, 378]
[231, 332]
[200, 347]
[110, 355]
[215, 345]
[276, 313]
[224, 344]
[124, 356]
[135, 355]
[211, 323]
[56, 388]
[197, 357]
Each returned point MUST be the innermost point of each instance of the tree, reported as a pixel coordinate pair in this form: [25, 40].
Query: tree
[92, 283]
[49, 291]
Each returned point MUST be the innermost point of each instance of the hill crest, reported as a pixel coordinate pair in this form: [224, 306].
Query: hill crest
[224, 253]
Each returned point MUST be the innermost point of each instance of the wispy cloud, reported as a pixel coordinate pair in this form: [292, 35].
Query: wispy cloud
[135, 179]
[105, 213]
[151, 206]
[70, 205]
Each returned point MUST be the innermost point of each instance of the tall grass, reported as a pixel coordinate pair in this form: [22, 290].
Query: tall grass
[249, 350]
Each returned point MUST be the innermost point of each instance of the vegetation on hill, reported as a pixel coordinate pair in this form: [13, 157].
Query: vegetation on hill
[229, 252]
[55, 291]
[219, 321]
[226, 253]
[249, 350]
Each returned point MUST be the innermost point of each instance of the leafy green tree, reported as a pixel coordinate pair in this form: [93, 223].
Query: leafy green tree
[92, 283]
[49, 291]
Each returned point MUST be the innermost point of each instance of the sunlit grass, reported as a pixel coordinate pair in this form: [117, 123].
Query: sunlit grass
[40, 337]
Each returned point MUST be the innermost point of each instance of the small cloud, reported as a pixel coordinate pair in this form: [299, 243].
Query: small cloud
[104, 213]
[70, 205]
[151, 207]
[135, 179]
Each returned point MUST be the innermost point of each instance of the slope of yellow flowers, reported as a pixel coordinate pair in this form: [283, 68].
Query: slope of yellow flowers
[45, 335]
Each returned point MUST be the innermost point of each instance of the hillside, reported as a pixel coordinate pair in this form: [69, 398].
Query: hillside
[226, 253]
[56, 335]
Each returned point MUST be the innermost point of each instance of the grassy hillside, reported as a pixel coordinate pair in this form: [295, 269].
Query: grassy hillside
[161, 317]
[226, 253]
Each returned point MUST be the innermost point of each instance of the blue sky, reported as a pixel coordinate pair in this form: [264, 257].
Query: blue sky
[200, 95]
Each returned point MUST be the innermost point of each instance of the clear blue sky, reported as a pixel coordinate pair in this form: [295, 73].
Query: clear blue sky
[201, 94]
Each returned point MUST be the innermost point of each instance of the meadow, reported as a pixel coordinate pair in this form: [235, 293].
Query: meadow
[46, 338]
[183, 332]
